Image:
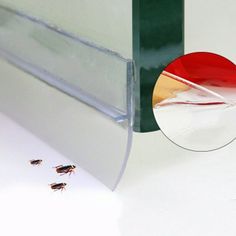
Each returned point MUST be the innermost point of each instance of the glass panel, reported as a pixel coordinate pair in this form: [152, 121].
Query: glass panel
[66, 62]
[106, 22]
[69, 66]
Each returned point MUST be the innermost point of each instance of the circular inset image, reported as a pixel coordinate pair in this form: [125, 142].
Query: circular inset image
[194, 101]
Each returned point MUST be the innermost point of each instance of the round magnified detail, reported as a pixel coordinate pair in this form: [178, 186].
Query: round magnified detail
[194, 101]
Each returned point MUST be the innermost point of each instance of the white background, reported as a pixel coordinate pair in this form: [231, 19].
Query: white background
[210, 25]
[166, 191]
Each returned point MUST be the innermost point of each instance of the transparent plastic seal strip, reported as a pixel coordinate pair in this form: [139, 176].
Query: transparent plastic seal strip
[90, 74]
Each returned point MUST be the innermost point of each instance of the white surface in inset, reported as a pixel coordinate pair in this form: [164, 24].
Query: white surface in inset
[166, 191]
[196, 127]
[191, 119]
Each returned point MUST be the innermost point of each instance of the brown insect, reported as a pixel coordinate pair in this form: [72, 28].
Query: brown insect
[36, 162]
[58, 186]
[65, 169]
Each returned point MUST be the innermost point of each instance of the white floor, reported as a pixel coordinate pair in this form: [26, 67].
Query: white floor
[166, 191]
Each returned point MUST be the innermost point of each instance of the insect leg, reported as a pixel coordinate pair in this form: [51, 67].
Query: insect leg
[57, 166]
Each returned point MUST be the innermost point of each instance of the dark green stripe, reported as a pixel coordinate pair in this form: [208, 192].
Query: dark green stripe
[157, 39]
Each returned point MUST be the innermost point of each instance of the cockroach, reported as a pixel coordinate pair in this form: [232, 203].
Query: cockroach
[58, 186]
[65, 169]
[36, 162]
